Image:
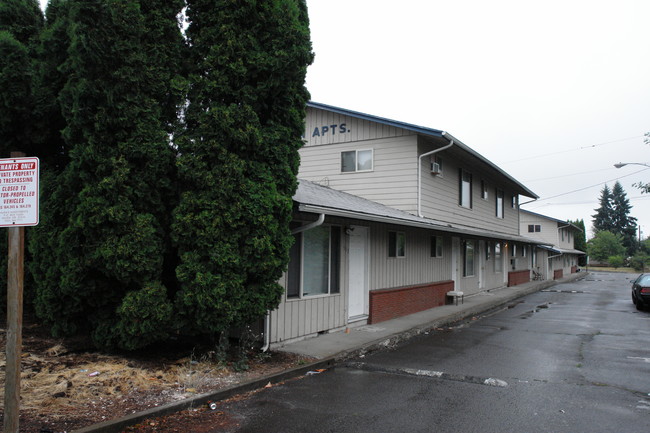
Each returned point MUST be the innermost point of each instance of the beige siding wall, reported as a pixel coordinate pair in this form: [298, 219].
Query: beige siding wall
[392, 181]
[440, 196]
[325, 127]
[417, 267]
[548, 228]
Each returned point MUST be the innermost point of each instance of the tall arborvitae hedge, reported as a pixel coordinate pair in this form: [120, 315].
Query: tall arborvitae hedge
[106, 227]
[239, 158]
[20, 24]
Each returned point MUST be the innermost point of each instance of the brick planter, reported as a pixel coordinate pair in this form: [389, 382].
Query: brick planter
[558, 274]
[518, 277]
[386, 304]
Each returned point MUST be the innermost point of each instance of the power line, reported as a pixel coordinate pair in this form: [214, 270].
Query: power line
[572, 150]
[590, 186]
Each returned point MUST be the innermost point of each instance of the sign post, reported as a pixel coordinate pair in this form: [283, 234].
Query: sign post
[18, 208]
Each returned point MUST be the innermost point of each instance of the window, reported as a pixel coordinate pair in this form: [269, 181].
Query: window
[468, 259]
[488, 250]
[533, 256]
[396, 244]
[513, 251]
[499, 202]
[356, 160]
[314, 266]
[484, 190]
[465, 189]
[498, 262]
[513, 202]
[436, 246]
[534, 228]
[524, 251]
[562, 233]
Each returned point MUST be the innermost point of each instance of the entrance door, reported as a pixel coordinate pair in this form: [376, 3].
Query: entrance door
[358, 273]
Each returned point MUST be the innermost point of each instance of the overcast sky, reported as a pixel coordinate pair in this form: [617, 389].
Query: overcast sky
[553, 92]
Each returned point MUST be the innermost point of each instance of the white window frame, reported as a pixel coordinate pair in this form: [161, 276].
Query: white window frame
[356, 160]
[333, 266]
[465, 189]
[500, 208]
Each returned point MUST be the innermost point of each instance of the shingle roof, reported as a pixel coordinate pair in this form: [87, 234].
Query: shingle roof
[314, 198]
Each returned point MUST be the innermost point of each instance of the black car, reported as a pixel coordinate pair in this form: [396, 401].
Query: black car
[641, 291]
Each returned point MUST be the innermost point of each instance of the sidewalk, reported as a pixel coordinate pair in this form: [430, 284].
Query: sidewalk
[336, 346]
[357, 340]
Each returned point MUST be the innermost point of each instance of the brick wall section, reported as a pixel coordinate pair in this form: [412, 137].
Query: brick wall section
[574, 269]
[518, 277]
[558, 274]
[386, 304]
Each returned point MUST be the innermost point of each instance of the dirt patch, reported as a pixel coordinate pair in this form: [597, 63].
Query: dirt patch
[66, 386]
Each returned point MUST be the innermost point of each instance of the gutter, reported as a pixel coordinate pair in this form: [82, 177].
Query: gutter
[451, 143]
[267, 319]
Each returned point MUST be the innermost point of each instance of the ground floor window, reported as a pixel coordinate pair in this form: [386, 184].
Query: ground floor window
[314, 266]
[436, 246]
[468, 258]
[396, 244]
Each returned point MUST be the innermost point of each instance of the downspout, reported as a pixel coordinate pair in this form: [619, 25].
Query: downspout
[267, 319]
[451, 143]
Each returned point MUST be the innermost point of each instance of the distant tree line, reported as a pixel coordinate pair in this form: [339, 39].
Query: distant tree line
[615, 231]
[169, 154]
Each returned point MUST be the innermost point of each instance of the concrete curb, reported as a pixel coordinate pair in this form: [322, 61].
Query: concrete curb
[120, 424]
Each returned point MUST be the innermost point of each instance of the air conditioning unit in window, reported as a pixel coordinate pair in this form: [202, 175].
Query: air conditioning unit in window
[435, 168]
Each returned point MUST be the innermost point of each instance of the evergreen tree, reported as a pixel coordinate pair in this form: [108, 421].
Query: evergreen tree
[107, 228]
[20, 23]
[239, 158]
[603, 217]
[580, 240]
[623, 223]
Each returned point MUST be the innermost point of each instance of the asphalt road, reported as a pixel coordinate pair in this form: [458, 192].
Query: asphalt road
[574, 358]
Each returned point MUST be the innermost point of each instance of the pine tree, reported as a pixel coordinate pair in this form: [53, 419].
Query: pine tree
[239, 158]
[623, 223]
[603, 217]
[108, 224]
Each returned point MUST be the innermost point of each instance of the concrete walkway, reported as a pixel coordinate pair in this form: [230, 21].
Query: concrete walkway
[357, 340]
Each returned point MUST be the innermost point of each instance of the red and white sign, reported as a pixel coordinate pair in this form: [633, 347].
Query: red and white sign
[19, 192]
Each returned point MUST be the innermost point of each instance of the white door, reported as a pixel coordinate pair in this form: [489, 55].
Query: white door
[358, 273]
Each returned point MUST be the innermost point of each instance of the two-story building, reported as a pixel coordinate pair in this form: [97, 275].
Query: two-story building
[562, 257]
[390, 217]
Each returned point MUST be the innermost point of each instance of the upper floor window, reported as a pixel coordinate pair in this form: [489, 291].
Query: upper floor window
[534, 228]
[356, 160]
[396, 244]
[513, 202]
[484, 190]
[499, 203]
[465, 188]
